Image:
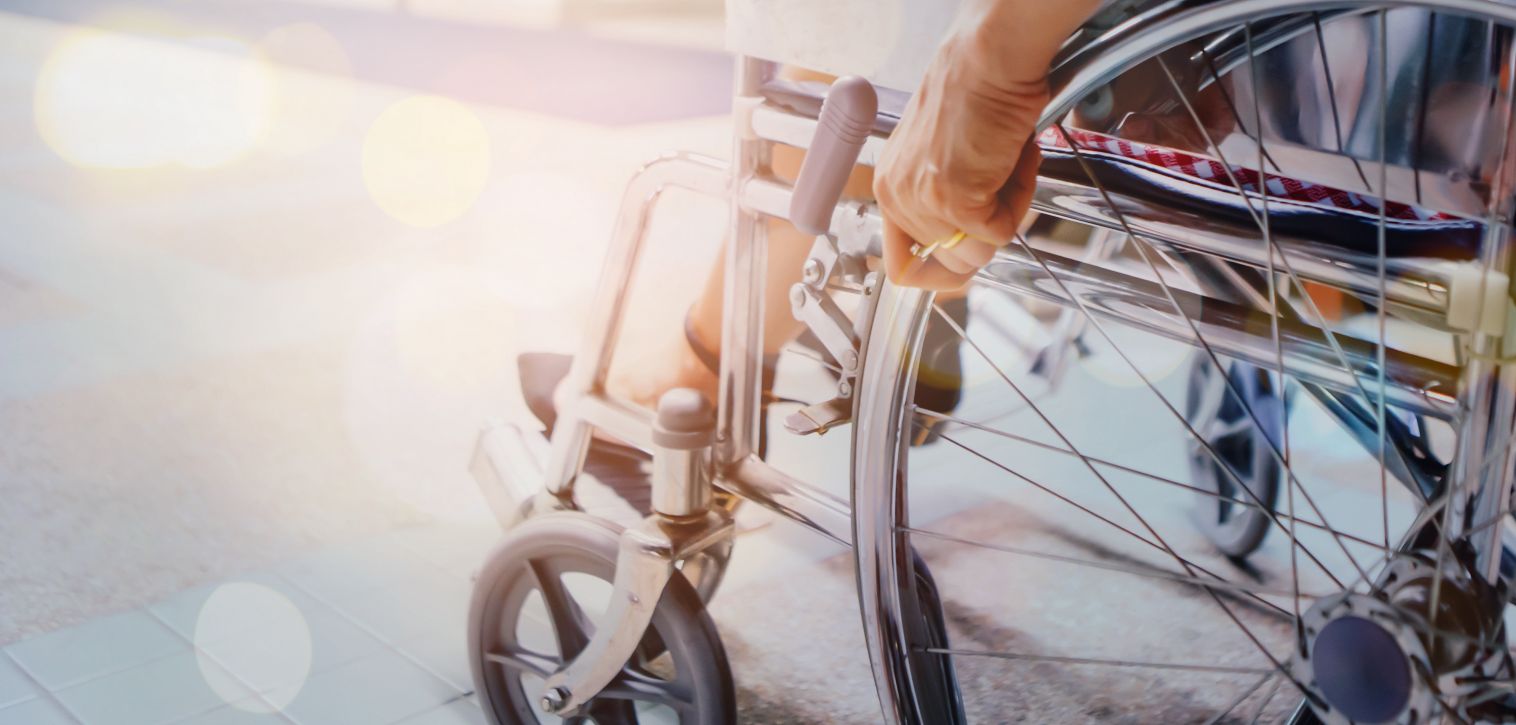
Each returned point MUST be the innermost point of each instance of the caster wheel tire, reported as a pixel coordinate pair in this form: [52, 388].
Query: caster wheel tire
[1236, 529]
[536, 604]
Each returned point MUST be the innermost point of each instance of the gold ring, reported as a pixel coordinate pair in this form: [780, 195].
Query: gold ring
[921, 252]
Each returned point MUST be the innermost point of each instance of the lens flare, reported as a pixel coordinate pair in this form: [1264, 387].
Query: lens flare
[259, 637]
[426, 160]
[313, 92]
[111, 101]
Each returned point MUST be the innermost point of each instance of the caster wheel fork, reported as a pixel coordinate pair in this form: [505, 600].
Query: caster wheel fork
[540, 599]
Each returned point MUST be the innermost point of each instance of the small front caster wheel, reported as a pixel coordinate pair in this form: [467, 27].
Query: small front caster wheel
[536, 605]
[1234, 519]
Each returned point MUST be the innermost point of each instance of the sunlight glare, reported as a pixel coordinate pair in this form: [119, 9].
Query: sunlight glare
[426, 160]
[312, 90]
[111, 101]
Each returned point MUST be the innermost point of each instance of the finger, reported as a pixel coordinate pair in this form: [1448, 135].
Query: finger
[967, 257]
[931, 275]
[1016, 195]
[907, 270]
[897, 251]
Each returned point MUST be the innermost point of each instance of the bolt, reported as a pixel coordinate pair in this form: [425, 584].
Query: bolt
[849, 360]
[871, 283]
[797, 296]
[844, 389]
[812, 271]
[554, 699]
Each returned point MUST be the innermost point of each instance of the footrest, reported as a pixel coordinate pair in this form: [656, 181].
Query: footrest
[507, 465]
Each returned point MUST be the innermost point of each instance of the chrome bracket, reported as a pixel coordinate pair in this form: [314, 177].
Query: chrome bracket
[812, 304]
[683, 525]
[646, 562]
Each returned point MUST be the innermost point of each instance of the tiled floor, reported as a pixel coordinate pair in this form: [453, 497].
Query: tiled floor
[366, 633]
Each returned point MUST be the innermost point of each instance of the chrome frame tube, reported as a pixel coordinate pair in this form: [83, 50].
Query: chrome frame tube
[586, 379]
[741, 375]
[1417, 284]
[1416, 384]
[1482, 468]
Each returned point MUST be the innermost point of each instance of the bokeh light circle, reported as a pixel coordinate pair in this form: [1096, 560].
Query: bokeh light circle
[259, 636]
[426, 160]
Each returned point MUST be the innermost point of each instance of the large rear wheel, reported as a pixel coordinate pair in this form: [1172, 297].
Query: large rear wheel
[1285, 173]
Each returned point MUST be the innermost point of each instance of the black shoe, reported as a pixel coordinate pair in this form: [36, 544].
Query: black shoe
[939, 374]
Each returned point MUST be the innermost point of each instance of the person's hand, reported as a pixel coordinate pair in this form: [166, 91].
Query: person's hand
[963, 157]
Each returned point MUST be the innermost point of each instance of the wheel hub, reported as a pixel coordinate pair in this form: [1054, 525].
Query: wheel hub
[1360, 670]
[1373, 658]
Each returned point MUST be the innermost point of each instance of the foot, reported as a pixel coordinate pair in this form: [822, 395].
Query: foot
[654, 370]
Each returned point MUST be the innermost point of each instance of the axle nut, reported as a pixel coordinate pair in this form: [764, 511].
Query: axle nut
[554, 699]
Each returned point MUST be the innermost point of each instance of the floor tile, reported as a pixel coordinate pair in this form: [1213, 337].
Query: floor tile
[246, 712]
[431, 601]
[354, 569]
[275, 655]
[445, 653]
[174, 687]
[15, 686]
[384, 688]
[445, 544]
[109, 644]
[182, 611]
[457, 712]
[38, 711]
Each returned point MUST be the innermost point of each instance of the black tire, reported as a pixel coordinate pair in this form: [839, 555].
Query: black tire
[699, 690]
[940, 698]
[1236, 529]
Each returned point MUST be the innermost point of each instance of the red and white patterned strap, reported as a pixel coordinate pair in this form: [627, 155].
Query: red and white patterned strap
[1211, 172]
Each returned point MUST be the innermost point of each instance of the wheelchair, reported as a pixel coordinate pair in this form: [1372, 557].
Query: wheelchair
[1310, 200]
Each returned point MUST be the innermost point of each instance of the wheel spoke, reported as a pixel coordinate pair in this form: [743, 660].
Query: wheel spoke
[1273, 248]
[525, 661]
[1231, 105]
[1190, 566]
[1384, 187]
[570, 626]
[1157, 540]
[1214, 669]
[637, 684]
[1463, 481]
[1220, 430]
[1264, 705]
[1316, 317]
[1145, 252]
[607, 711]
[1326, 69]
[1273, 281]
[1142, 571]
[1136, 472]
[1240, 699]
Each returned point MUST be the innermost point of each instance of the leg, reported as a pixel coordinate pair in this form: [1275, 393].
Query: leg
[673, 363]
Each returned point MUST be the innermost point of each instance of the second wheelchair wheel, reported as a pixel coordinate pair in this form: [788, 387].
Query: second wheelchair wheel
[537, 603]
[1234, 519]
